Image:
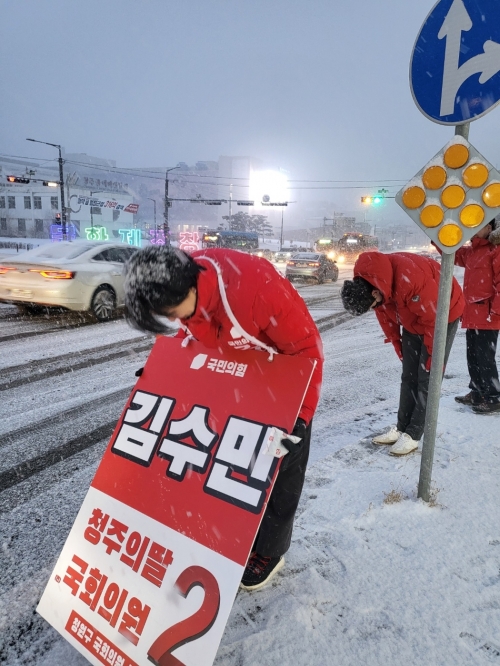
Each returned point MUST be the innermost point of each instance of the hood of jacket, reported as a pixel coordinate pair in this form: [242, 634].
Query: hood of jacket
[376, 268]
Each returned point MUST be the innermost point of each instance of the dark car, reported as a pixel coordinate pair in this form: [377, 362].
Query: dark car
[311, 265]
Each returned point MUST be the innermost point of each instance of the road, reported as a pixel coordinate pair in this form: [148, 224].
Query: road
[63, 383]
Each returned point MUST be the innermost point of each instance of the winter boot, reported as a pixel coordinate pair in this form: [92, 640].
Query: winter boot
[389, 437]
[403, 446]
[468, 399]
[260, 570]
[486, 407]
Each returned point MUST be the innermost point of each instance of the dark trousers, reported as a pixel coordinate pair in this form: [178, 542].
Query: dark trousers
[275, 533]
[481, 351]
[415, 381]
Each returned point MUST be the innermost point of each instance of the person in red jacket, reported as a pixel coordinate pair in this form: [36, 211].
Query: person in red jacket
[402, 288]
[227, 298]
[481, 260]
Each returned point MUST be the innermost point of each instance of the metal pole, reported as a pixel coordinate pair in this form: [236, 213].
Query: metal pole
[63, 203]
[166, 230]
[438, 352]
[281, 236]
[436, 377]
[154, 216]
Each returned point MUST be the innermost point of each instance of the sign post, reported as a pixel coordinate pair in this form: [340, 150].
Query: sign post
[155, 558]
[436, 376]
[458, 191]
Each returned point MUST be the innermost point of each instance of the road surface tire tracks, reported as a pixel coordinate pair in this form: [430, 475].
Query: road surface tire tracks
[67, 363]
[10, 477]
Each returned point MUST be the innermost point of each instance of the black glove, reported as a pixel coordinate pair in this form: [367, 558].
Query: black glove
[299, 430]
[139, 372]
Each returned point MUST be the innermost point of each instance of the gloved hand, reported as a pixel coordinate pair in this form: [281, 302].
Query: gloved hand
[299, 431]
[398, 346]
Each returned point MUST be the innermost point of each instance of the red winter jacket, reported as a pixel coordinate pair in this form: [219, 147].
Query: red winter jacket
[409, 284]
[266, 306]
[481, 261]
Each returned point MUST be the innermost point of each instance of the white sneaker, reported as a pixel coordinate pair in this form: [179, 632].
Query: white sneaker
[389, 437]
[403, 446]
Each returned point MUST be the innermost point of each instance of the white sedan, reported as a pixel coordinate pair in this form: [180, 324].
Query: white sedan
[79, 276]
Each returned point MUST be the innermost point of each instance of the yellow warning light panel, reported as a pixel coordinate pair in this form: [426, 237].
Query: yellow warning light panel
[453, 196]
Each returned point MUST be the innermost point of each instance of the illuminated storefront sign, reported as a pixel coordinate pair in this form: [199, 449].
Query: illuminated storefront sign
[189, 241]
[130, 236]
[96, 233]
[56, 232]
[157, 237]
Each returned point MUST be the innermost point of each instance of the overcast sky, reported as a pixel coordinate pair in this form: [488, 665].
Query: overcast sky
[317, 87]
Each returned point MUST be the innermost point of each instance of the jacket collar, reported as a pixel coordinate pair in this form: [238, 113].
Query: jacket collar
[207, 295]
[477, 242]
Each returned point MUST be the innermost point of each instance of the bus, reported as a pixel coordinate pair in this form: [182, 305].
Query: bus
[352, 244]
[326, 246]
[236, 240]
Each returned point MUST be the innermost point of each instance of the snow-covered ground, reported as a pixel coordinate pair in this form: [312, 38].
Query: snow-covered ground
[374, 575]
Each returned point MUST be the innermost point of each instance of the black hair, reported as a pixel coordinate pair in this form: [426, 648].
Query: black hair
[157, 277]
[357, 296]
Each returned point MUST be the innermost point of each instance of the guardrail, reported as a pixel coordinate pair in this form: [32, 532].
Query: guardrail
[10, 245]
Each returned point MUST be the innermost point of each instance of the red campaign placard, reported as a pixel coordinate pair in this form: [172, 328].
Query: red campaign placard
[157, 551]
[94, 642]
[225, 404]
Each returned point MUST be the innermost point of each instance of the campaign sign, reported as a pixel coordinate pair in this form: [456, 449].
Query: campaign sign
[153, 562]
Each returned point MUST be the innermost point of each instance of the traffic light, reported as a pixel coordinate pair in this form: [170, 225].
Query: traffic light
[372, 201]
[17, 179]
[375, 199]
[454, 196]
[50, 183]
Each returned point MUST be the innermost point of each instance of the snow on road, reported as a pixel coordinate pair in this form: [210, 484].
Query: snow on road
[374, 576]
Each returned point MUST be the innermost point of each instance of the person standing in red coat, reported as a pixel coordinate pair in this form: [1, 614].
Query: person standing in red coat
[402, 288]
[481, 260]
[230, 299]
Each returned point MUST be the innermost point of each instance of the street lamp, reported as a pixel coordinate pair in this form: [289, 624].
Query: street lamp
[156, 229]
[61, 186]
[166, 229]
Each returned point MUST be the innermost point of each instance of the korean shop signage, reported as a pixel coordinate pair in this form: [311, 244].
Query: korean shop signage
[154, 560]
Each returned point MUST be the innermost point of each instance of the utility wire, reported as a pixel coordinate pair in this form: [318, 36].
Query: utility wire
[139, 173]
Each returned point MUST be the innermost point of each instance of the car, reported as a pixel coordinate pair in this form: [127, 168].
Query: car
[311, 265]
[282, 257]
[80, 276]
[261, 252]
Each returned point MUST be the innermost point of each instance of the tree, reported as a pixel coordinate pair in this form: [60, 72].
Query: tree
[244, 222]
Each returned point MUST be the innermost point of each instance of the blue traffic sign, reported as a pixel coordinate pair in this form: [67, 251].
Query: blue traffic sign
[455, 64]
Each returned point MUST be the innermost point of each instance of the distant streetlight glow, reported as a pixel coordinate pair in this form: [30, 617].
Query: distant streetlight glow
[268, 187]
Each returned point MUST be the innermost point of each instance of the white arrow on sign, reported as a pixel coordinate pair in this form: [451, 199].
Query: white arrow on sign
[487, 64]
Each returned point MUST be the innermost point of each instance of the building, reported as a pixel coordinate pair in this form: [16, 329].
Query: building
[33, 209]
[104, 201]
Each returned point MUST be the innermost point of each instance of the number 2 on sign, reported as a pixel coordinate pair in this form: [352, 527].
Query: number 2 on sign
[160, 653]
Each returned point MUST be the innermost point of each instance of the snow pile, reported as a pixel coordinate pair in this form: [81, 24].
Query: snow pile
[375, 576]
